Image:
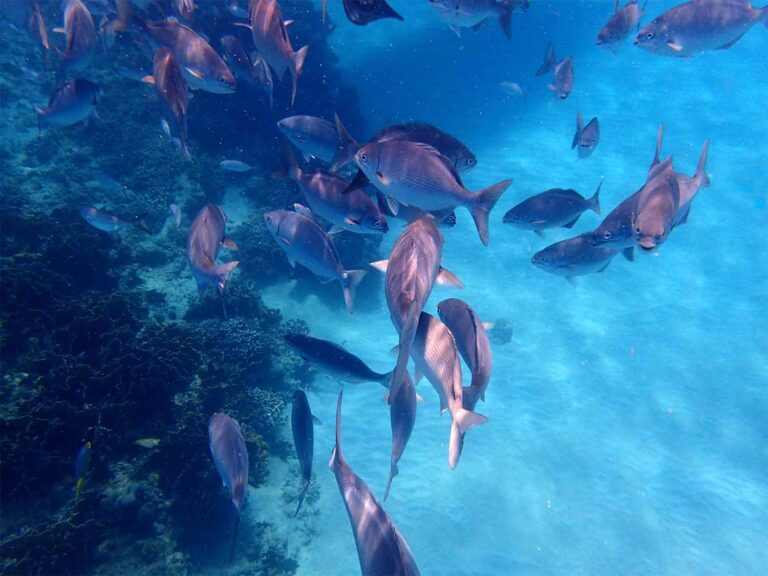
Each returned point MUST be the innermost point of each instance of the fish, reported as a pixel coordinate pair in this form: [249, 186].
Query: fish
[70, 103]
[411, 272]
[185, 9]
[402, 417]
[334, 360]
[473, 346]
[363, 12]
[656, 209]
[550, 59]
[170, 84]
[698, 26]
[551, 209]
[444, 218]
[460, 156]
[575, 257]
[235, 166]
[381, 549]
[230, 455]
[175, 213]
[562, 72]
[237, 59]
[512, 88]
[353, 211]
[472, 14]
[108, 183]
[587, 137]
[81, 38]
[305, 242]
[235, 9]
[82, 464]
[200, 65]
[315, 137]
[263, 77]
[37, 25]
[206, 237]
[148, 443]
[107, 222]
[436, 357]
[270, 37]
[417, 174]
[303, 429]
[620, 24]
[165, 128]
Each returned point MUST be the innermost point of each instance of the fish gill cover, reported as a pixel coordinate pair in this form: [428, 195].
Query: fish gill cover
[624, 417]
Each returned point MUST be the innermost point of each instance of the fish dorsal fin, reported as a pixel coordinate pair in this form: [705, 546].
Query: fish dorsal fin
[448, 278]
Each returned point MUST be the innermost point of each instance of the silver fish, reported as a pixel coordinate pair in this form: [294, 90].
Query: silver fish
[587, 137]
[334, 360]
[81, 37]
[473, 13]
[101, 220]
[698, 26]
[230, 455]
[201, 66]
[303, 429]
[620, 24]
[235, 166]
[70, 103]
[575, 257]
[473, 345]
[380, 547]
[206, 237]
[553, 208]
[436, 357]
[402, 417]
[315, 137]
[417, 174]
[270, 37]
[354, 210]
[562, 72]
[411, 272]
[305, 242]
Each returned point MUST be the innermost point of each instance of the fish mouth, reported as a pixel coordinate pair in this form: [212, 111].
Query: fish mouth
[646, 244]
[636, 41]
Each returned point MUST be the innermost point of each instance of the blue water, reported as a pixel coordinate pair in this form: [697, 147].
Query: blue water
[628, 416]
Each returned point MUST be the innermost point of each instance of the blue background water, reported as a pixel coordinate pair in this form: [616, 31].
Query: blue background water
[628, 417]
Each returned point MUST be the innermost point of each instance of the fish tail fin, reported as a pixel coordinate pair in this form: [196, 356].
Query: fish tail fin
[482, 204]
[345, 148]
[290, 164]
[463, 421]
[701, 169]
[233, 538]
[549, 61]
[386, 380]
[594, 202]
[297, 63]
[349, 285]
[223, 272]
[337, 456]
[505, 18]
[407, 334]
[393, 471]
[302, 494]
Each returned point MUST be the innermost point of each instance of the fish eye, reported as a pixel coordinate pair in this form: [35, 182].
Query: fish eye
[363, 157]
[269, 219]
[649, 36]
[607, 235]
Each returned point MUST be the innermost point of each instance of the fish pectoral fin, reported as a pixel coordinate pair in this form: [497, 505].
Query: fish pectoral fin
[448, 278]
[489, 325]
[383, 179]
[316, 421]
[243, 25]
[349, 222]
[59, 30]
[229, 244]
[676, 47]
[196, 73]
[333, 230]
[380, 265]
[571, 223]
[393, 205]
[149, 79]
[285, 241]
[539, 233]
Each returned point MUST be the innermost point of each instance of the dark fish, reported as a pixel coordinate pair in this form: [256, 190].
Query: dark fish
[574, 257]
[462, 157]
[263, 77]
[549, 60]
[303, 429]
[206, 237]
[620, 24]
[270, 37]
[315, 137]
[362, 12]
[436, 357]
[201, 66]
[70, 103]
[82, 464]
[418, 175]
[170, 83]
[380, 547]
[237, 59]
[334, 360]
[81, 37]
[402, 417]
[411, 272]
[562, 72]
[353, 210]
[230, 455]
[305, 242]
[473, 13]
[553, 208]
[587, 137]
[698, 26]
[473, 345]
